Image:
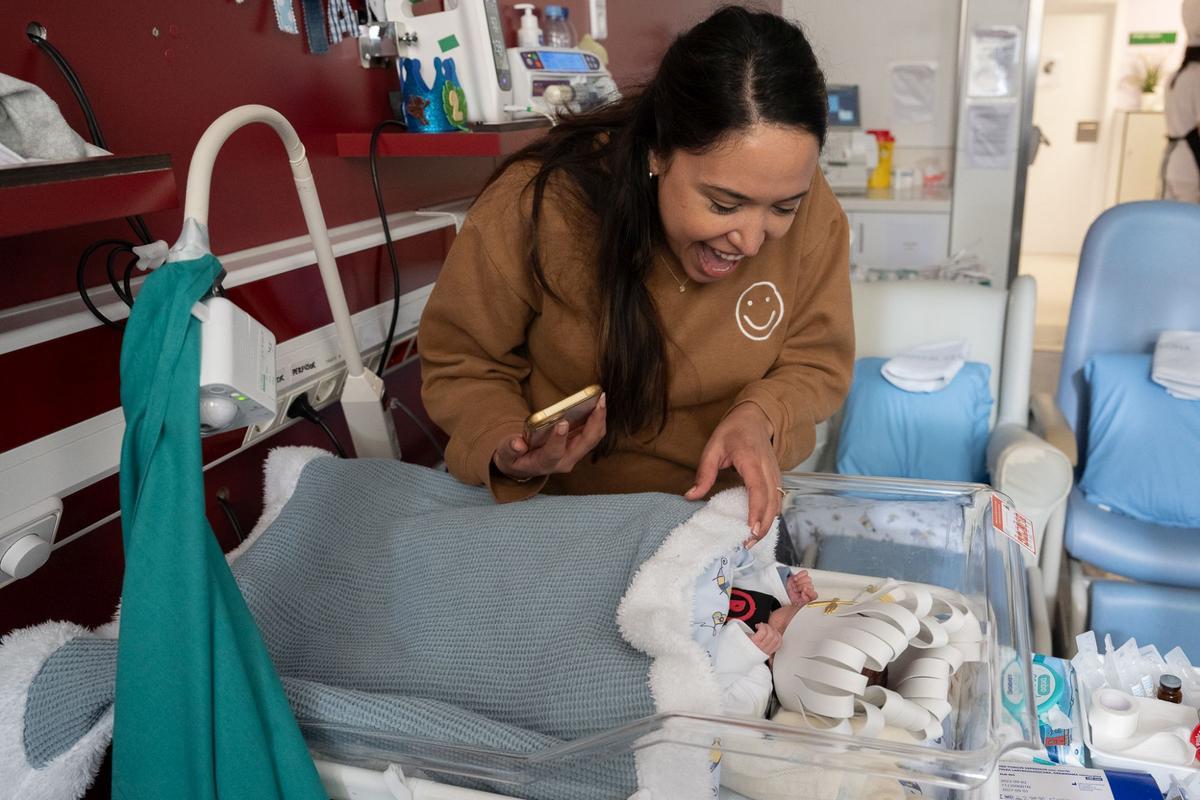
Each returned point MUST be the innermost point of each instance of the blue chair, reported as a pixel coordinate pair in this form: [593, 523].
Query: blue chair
[1139, 274]
[893, 316]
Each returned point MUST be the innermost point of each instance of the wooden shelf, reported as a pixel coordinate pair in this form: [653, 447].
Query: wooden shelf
[44, 196]
[439, 145]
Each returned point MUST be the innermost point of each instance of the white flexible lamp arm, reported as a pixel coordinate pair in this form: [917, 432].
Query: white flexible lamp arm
[196, 206]
[369, 424]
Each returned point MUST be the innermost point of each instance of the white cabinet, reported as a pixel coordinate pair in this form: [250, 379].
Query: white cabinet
[1143, 142]
[895, 240]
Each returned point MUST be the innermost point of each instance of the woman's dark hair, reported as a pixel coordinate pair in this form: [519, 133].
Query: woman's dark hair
[732, 70]
[1190, 56]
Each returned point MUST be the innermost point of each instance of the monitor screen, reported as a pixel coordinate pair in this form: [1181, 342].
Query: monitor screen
[563, 62]
[843, 107]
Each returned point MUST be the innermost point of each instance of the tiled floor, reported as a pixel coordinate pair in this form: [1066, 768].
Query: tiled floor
[1055, 276]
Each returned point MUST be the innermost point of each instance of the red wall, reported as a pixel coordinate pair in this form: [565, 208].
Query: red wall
[156, 94]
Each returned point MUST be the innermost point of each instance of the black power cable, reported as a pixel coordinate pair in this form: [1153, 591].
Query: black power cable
[123, 289]
[230, 514]
[118, 245]
[387, 237]
[300, 408]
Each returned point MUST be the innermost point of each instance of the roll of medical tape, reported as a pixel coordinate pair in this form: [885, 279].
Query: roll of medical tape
[840, 653]
[798, 719]
[896, 710]
[920, 668]
[940, 709]
[970, 630]
[932, 635]
[950, 654]
[913, 598]
[879, 651]
[870, 723]
[830, 677]
[936, 688]
[952, 613]
[1113, 715]
[900, 617]
[839, 705]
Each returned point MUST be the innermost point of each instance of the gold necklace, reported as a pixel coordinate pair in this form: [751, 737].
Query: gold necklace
[683, 284]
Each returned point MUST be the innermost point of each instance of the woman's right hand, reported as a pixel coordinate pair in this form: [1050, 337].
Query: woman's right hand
[560, 453]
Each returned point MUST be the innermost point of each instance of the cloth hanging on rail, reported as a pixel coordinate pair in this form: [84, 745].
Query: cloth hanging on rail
[200, 711]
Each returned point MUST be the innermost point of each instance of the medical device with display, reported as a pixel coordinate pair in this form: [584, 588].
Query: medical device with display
[843, 106]
[583, 82]
[849, 154]
[500, 85]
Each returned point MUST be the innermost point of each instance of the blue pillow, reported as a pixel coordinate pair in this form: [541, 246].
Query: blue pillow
[942, 435]
[1142, 444]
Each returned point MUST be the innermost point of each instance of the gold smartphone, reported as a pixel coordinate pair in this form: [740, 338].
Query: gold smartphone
[574, 409]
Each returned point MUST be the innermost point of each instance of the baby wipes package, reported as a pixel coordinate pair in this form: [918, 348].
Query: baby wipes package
[1057, 708]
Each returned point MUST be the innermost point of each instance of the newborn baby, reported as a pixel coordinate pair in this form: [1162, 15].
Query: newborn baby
[762, 602]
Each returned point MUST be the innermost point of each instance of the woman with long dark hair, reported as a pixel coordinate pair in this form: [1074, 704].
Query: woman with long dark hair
[678, 247]
[1181, 164]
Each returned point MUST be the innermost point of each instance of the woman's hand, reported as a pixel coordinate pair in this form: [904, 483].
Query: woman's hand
[561, 452]
[743, 441]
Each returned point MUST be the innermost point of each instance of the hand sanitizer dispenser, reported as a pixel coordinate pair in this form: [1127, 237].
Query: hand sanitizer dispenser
[529, 34]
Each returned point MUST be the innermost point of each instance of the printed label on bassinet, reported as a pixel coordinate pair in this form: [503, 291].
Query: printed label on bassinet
[1013, 524]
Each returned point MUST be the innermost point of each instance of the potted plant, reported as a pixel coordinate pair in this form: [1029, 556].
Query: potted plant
[1147, 78]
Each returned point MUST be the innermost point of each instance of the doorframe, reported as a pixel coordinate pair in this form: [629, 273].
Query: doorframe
[1109, 137]
[1033, 56]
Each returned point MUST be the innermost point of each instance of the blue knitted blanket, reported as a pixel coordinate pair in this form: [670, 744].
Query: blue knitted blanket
[393, 586]
[413, 620]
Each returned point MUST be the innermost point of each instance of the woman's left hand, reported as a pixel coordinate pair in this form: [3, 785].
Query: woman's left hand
[743, 441]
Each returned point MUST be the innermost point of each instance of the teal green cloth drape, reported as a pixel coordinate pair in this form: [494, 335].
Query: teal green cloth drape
[200, 711]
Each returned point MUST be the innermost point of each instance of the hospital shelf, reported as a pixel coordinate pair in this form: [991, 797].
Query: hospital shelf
[47, 195]
[412, 145]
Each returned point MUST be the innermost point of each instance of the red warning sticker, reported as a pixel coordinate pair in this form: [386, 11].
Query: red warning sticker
[1013, 524]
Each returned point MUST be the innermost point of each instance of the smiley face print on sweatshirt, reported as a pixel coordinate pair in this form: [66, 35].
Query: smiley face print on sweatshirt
[759, 311]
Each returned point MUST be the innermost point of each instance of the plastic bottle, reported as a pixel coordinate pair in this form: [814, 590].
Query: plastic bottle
[529, 35]
[570, 27]
[558, 32]
[881, 176]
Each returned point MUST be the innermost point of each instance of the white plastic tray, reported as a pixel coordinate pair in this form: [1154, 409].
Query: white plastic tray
[1101, 758]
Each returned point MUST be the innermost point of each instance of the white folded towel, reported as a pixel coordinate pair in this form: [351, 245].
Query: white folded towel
[1176, 364]
[927, 367]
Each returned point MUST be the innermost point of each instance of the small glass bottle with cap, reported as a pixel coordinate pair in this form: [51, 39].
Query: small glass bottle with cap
[1170, 688]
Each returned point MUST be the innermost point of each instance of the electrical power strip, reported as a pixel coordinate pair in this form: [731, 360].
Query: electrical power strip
[73, 458]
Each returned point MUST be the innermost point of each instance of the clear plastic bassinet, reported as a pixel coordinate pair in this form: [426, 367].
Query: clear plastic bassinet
[920, 531]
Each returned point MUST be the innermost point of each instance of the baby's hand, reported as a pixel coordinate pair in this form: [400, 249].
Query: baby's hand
[800, 588]
[766, 638]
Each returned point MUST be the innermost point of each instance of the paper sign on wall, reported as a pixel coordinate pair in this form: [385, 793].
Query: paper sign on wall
[1014, 525]
[990, 136]
[914, 91]
[992, 64]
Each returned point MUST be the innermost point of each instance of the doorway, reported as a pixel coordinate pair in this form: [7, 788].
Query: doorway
[1066, 182]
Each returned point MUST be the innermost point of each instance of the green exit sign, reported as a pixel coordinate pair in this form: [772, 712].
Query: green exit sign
[1152, 37]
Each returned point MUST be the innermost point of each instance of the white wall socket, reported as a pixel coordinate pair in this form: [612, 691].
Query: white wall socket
[26, 537]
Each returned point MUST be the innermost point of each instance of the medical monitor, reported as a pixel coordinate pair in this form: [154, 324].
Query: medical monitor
[843, 106]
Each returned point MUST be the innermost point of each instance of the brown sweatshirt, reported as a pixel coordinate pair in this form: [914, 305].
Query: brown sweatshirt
[494, 346]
